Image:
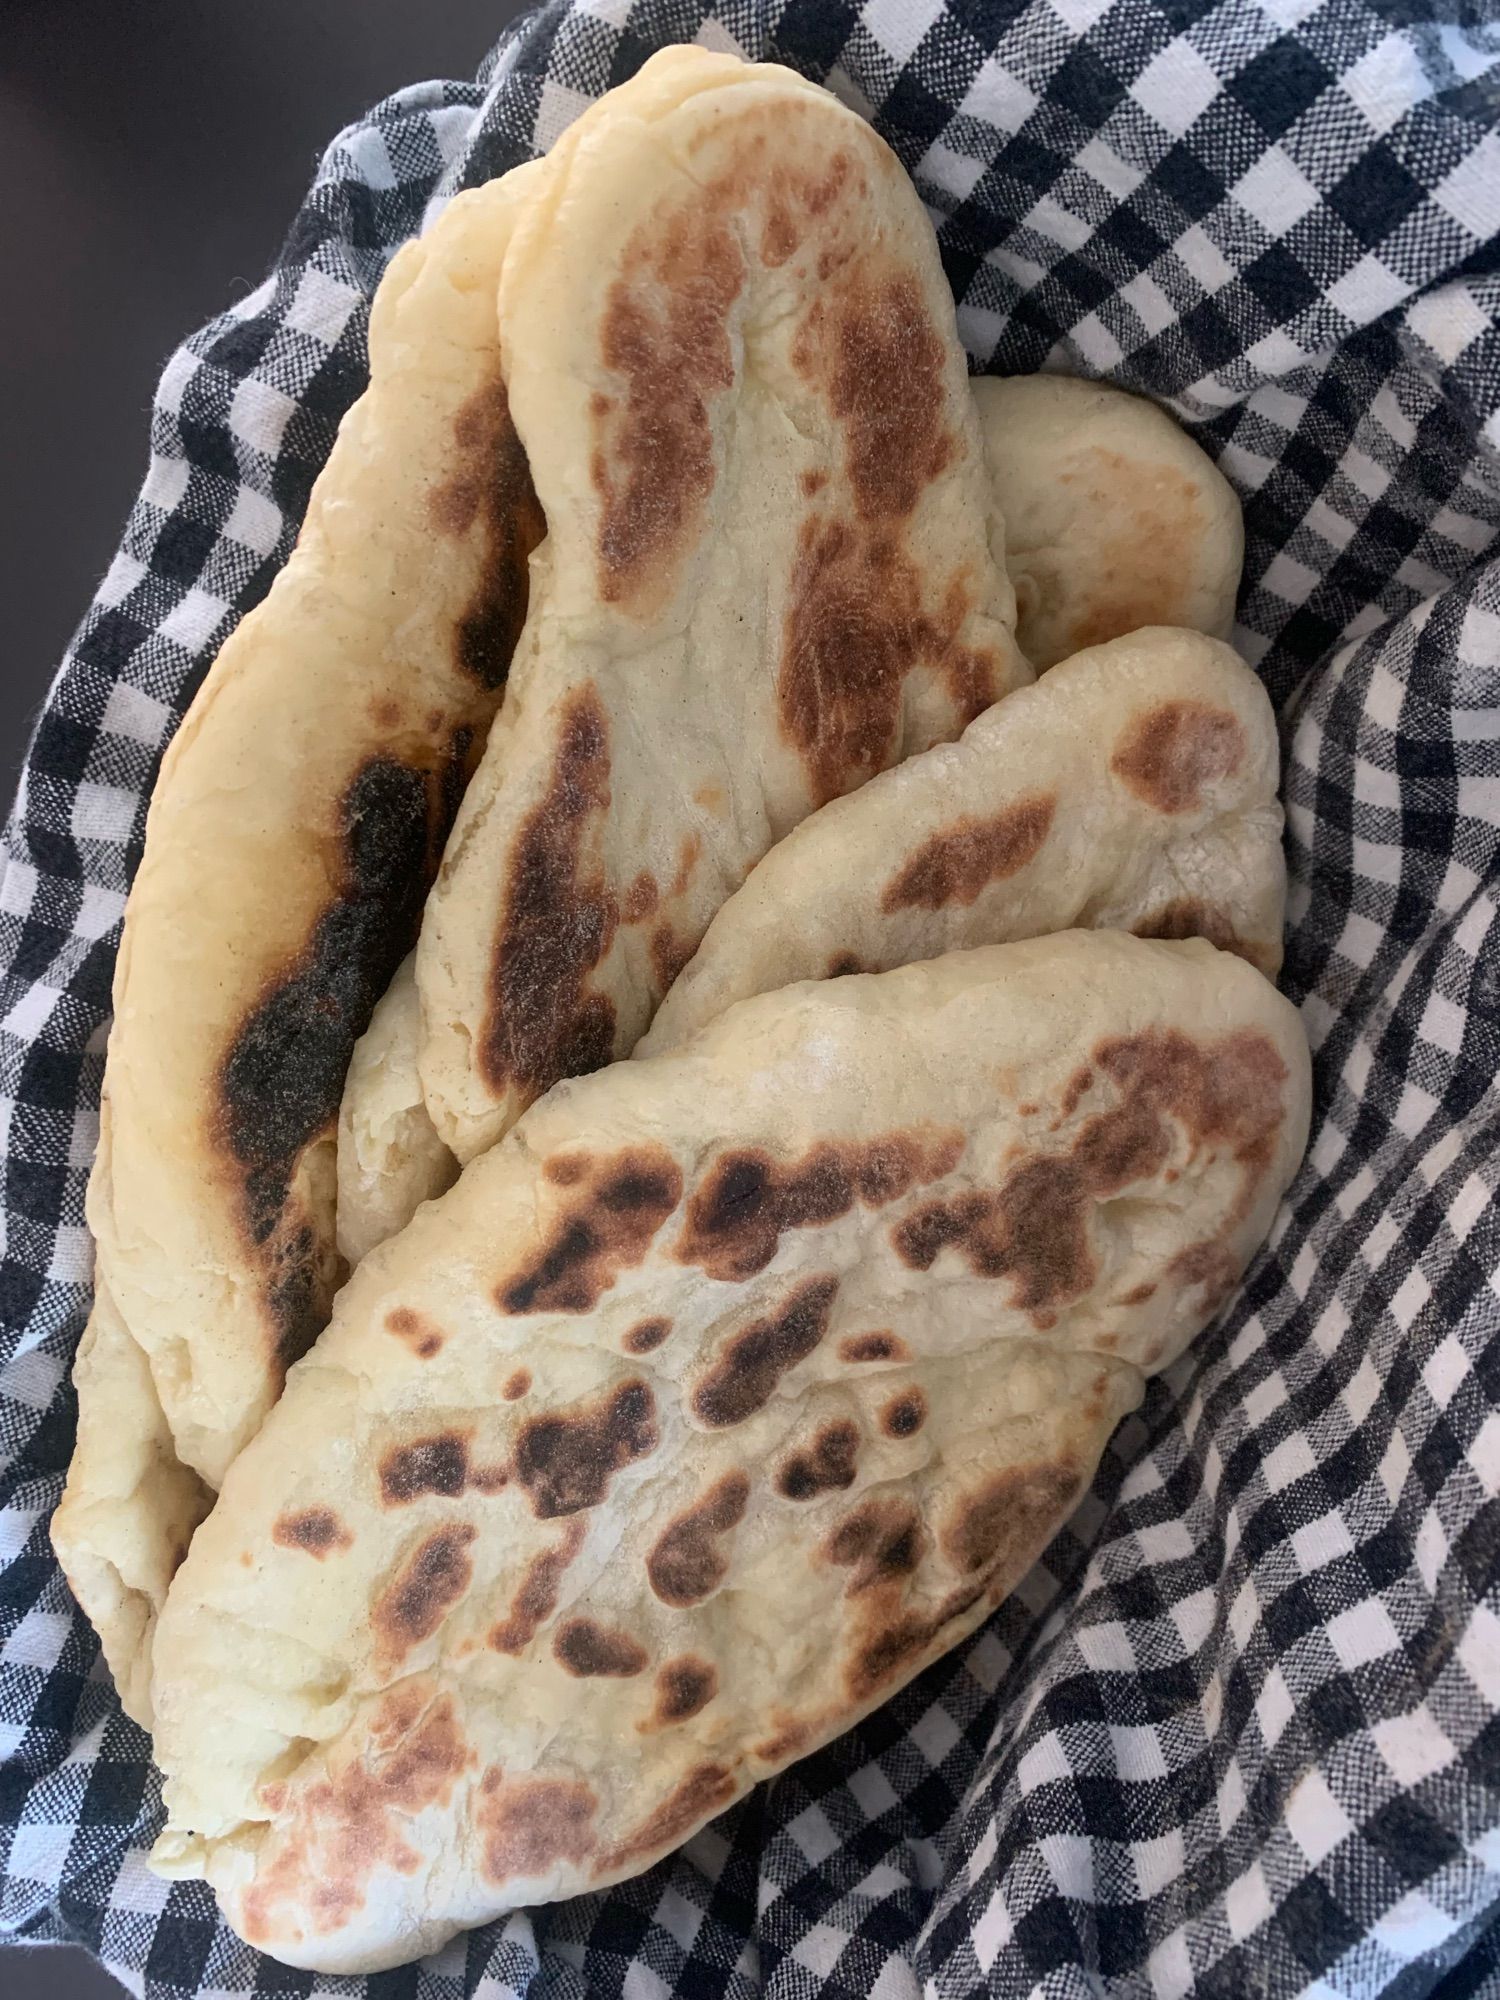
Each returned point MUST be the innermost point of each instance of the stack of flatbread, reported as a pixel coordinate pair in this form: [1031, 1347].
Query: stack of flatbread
[666, 1091]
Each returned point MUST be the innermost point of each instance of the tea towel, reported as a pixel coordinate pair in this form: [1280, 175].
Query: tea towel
[1239, 1731]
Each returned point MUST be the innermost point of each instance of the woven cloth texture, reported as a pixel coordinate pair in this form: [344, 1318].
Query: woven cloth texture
[1237, 1733]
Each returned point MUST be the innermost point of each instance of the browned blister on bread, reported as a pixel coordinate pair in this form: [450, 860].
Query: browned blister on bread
[763, 1371]
[297, 822]
[772, 569]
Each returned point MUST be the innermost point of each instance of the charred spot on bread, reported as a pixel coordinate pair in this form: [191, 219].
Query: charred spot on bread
[686, 1563]
[605, 1227]
[566, 1459]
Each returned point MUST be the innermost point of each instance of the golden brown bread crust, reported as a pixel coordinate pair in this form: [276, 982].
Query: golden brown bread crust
[771, 568]
[1115, 518]
[762, 1371]
[299, 816]
[1132, 788]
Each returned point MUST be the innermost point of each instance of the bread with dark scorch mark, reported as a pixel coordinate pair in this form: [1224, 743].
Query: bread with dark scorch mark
[296, 824]
[710, 1405]
[771, 568]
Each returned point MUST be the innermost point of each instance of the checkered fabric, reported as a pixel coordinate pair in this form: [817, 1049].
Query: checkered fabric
[1239, 1732]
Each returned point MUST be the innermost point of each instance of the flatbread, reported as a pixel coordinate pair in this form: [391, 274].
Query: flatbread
[295, 826]
[1114, 518]
[709, 1406]
[1133, 788]
[390, 1158]
[732, 359]
[130, 1506]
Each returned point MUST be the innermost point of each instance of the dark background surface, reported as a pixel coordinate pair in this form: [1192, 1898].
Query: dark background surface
[153, 157]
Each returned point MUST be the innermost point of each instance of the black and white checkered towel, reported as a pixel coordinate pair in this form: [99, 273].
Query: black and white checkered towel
[1239, 1733]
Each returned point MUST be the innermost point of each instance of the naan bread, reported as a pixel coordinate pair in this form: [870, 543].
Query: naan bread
[1114, 518]
[295, 826]
[130, 1506]
[1133, 788]
[390, 1159]
[731, 357]
[708, 1407]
